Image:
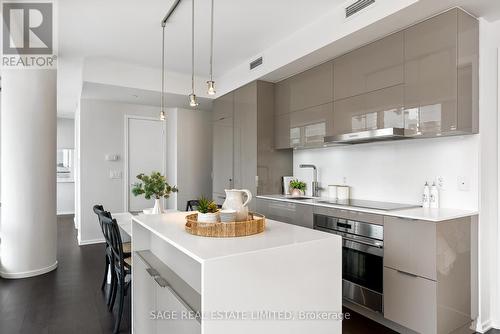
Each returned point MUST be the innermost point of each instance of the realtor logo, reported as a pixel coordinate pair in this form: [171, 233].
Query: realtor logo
[28, 34]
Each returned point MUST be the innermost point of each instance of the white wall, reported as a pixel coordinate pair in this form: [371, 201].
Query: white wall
[397, 171]
[489, 238]
[189, 155]
[65, 190]
[101, 133]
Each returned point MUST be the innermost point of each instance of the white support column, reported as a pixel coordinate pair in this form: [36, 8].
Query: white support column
[28, 227]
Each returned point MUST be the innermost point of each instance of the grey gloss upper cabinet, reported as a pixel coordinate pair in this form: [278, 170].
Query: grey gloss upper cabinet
[222, 157]
[441, 71]
[369, 68]
[223, 107]
[303, 108]
[374, 110]
[312, 87]
[244, 154]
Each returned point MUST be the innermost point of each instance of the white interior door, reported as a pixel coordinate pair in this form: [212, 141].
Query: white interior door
[146, 151]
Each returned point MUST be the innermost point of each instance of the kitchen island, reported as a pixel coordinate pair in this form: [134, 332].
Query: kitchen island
[285, 280]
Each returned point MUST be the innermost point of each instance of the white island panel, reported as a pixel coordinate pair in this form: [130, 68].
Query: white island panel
[281, 273]
[287, 282]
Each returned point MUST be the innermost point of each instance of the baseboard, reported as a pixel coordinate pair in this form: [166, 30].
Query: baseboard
[90, 242]
[30, 273]
[485, 326]
[65, 213]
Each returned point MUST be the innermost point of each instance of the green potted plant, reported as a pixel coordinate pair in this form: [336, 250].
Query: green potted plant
[298, 188]
[208, 212]
[153, 186]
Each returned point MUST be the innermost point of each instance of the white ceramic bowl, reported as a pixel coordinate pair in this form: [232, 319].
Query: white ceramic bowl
[227, 216]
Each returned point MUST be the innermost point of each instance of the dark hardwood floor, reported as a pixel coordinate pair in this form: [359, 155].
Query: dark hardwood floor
[69, 299]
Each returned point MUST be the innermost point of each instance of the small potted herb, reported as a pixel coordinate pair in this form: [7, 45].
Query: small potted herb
[208, 212]
[298, 188]
[153, 186]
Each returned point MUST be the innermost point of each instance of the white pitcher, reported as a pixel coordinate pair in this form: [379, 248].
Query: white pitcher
[234, 201]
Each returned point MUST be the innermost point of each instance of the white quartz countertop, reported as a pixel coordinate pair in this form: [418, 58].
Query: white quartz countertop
[171, 228]
[419, 213]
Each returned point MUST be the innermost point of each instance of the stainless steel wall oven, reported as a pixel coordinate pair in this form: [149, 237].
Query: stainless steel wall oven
[362, 259]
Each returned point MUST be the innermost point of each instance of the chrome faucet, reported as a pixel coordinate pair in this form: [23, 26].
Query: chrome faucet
[315, 184]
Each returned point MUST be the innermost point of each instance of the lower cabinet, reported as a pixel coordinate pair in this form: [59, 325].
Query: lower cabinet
[157, 307]
[427, 274]
[291, 213]
[168, 301]
[145, 287]
[410, 300]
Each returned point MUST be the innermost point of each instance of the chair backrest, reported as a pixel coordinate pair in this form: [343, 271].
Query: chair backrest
[192, 205]
[113, 238]
[99, 210]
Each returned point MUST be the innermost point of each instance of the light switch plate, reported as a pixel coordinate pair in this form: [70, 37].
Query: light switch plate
[115, 174]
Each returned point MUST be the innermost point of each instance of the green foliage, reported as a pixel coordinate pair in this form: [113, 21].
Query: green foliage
[153, 186]
[296, 184]
[206, 205]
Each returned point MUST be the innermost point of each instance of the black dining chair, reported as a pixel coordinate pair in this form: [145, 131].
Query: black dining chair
[121, 265]
[192, 205]
[127, 248]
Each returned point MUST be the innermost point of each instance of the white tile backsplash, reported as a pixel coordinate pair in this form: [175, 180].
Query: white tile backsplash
[396, 171]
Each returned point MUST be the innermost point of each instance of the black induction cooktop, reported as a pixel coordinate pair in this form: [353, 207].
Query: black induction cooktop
[360, 203]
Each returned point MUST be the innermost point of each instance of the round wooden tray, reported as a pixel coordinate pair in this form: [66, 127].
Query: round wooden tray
[255, 224]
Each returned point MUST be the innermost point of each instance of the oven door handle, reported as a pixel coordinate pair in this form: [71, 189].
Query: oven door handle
[363, 242]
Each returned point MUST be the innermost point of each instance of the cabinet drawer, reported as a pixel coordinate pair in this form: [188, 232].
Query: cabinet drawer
[185, 322]
[291, 213]
[410, 301]
[410, 246]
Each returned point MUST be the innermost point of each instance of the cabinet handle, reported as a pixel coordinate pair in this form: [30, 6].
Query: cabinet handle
[406, 273]
[161, 281]
[152, 272]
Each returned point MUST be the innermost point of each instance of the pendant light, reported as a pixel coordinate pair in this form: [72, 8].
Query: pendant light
[211, 82]
[192, 96]
[162, 110]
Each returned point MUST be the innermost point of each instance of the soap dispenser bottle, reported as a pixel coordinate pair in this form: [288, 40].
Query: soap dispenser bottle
[426, 196]
[434, 199]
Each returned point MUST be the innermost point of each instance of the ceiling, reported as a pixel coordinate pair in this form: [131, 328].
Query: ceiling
[104, 92]
[130, 31]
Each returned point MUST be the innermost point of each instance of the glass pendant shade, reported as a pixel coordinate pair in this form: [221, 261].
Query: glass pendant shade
[192, 100]
[211, 87]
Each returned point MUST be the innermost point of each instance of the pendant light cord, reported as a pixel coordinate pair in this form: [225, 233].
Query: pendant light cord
[163, 70]
[192, 48]
[211, 40]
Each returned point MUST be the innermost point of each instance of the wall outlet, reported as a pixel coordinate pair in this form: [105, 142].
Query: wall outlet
[463, 183]
[344, 180]
[115, 174]
[440, 183]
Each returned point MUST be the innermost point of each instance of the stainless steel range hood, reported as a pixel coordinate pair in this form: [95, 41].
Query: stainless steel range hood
[368, 136]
